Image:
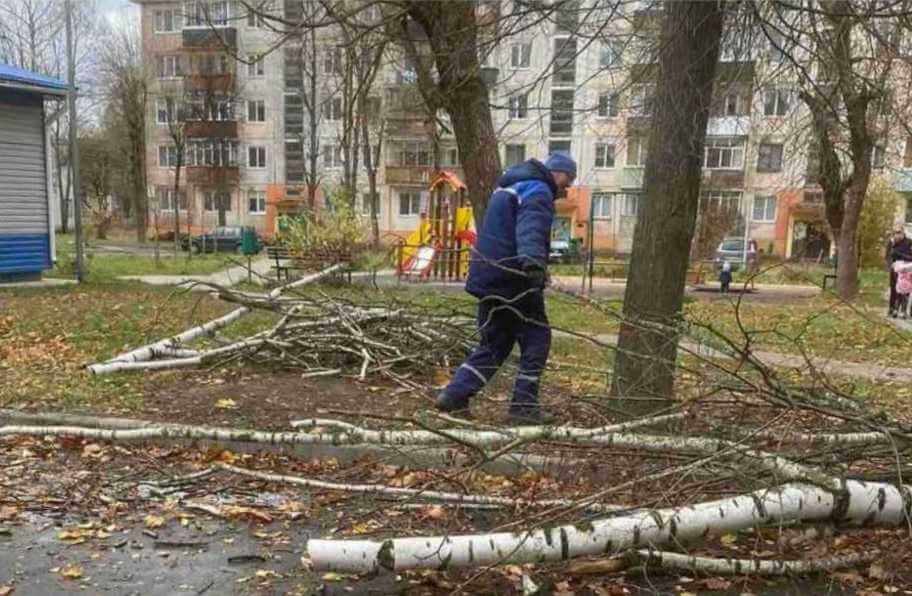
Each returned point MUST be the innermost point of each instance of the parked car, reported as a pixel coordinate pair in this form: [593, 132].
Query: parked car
[732, 250]
[564, 251]
[221, 239]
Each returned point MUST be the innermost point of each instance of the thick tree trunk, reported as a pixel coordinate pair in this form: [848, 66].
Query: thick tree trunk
[847, 264]
[647, 346]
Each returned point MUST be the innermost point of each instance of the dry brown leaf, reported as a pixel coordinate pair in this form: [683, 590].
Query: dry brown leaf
[716, 583]
[226, 404]
[597, 567]
[6, 590]
[248, 512]
[877, 571]
[154, 521]
[71, 571]
[8, 513]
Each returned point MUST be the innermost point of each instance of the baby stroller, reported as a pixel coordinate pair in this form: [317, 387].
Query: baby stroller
[903, 270]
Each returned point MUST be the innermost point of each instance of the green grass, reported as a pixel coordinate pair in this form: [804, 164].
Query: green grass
[102, 267]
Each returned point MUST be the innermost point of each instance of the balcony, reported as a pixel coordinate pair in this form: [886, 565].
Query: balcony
[728, 126]
[631, 177]
[723, 179]
[213, 175]
[209, 83]
[408, 175]
[903, 180]
[209, 38]
[211, 129]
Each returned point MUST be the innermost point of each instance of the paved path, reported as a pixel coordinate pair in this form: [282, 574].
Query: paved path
[260, 266]
[47, 282]
[863, 370]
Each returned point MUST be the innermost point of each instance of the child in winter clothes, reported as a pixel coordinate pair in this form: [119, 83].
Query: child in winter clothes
[725, 276]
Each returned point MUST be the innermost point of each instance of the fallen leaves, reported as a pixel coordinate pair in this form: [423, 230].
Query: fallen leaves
[71, 571]
[6, 590]
[153, 521]
[226, 404]
[8, 513]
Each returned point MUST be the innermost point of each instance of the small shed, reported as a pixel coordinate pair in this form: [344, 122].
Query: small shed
[26, 214]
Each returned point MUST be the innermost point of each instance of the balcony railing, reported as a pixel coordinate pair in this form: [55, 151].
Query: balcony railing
[412, 175]
[211, 129]
[723, 179]
[213, 175]
[207, 38]
[215, 83]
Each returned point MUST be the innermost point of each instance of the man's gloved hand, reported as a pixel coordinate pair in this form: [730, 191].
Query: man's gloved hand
[538, 277]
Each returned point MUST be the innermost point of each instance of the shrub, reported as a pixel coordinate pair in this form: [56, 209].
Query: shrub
[877, 215]
[335, 228]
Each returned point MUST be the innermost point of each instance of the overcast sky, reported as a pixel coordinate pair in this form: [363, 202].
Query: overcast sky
[117, 10]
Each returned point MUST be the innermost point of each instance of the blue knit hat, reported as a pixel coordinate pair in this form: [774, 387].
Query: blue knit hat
[561, 162]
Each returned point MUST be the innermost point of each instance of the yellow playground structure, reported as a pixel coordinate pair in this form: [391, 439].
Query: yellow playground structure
[441, 245]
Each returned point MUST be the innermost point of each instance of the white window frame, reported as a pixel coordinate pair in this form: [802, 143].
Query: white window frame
[256, 66]
[611, 104]
[418, 148]
[331, 109]
[630, 206]
[164, 105]
[609, 54]
[414, 206]
[606, 148]
[506, 151]
[257, 107]
[159, 20]
[764, 202]
[782, 101]
[734, 198]
[521, 56]
[332, 61]
[260, 197]
[260, 158]
[195, 15]
[174, 72]
[640, 145]
[602, 205]
[519, 106]
[209, 197]
[770, 169]
[723, 149]
[170, 154]
[332, 156]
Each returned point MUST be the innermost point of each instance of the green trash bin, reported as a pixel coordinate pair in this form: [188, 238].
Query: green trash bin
[250, 244]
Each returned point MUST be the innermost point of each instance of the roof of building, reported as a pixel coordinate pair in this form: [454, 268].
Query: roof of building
[17, 78]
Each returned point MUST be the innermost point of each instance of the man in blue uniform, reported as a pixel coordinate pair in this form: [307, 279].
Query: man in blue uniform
[508, 276]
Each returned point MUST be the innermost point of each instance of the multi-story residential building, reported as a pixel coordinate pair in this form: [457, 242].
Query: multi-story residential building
[578, 82]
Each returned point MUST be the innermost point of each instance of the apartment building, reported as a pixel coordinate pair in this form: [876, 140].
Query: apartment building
[564, 84]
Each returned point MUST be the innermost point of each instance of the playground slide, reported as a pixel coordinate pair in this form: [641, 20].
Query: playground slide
[418, 253]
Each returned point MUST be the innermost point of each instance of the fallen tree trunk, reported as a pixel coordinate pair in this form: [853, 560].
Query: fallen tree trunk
[165, 346]
[859, 502]
[711, 566]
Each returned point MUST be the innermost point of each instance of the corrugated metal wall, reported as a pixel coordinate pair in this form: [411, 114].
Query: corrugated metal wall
[24, 230]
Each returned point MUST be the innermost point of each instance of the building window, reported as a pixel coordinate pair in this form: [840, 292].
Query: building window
[630, 207]
[256, 157]
[608, 105]
[167, 156]
[409, 203]
[636, 152]
[879, 157]
[564, 63]
[604, 155]
[769, 157]
[216, 201]
[514, 154]
[332, 61]
[366, 203]
[764, 209]
[411, 153]
[642, 100]
[723, 154]
[167, 20]
[332, 108]
[722, 199]
[256, 110]
[521, 55]
[169, 66]
[449, 157]
[255, 66]
[212, 153]
[601, 205]
[519, 107]
[164, 110]
[733, 105]
[562, 112]
[211, 64]
[776, 102]
[166, 199]
[210, 110]
[558, 147]
[205, 13]
[609, 54]
[332, 156]
[566, 16]
[256, 202]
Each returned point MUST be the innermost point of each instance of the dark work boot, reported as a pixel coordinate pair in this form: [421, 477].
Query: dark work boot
[452, 405]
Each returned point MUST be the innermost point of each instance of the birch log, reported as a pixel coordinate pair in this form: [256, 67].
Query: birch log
[201, 358]
[869, 503]
[162, 347]
[714, 566]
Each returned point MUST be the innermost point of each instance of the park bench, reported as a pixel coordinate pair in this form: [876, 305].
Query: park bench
[287, 261]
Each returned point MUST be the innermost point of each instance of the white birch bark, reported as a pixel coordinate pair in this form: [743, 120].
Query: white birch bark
[162, 347]
[203, 357]
[869, 503]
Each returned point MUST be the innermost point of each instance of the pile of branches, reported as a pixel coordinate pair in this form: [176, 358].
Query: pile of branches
[318, 335]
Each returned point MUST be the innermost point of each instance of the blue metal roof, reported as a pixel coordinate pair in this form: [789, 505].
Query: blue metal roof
[14, 77]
